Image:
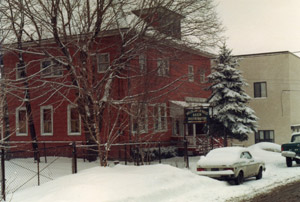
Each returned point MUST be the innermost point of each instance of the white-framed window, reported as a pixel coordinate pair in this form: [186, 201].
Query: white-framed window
[139, 118]
[21, 122]
[143, 63]
[260, 89]
[202, 76]
[191, 73]
[50, 68]
[46, 120]
[160, 117]
[163, 67]
[20, 71]
[74, 123]
[103, 61]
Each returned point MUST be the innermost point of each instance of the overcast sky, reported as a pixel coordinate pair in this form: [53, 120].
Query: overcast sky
[256, 26]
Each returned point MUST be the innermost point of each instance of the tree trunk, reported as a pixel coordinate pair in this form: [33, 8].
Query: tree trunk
[225, 138]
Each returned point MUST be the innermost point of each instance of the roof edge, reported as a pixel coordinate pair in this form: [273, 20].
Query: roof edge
[266, 54]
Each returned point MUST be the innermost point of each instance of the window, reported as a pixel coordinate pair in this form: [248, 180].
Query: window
[202, 76]
[1, 59]
[163, 67]
[191, 73]
[264, 136]
[176, 128]
[20, 71]
[50, 68]
[73, 120]
[142, 63]
[139, 118]
[246, 155]
[260, 89]
[47, 120]
[103, 62]
[296, 138]
[160, 117]
[21, 122]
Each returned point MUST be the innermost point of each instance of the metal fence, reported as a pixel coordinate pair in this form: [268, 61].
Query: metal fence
[23, 167]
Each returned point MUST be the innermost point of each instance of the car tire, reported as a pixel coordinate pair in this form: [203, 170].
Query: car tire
[298, 161]
[289, 162]
[240, 178]
[259, 174]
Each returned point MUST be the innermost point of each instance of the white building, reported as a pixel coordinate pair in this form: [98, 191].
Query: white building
[274, 85]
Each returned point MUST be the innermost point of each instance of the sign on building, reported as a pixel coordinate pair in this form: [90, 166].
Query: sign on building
[199, 115]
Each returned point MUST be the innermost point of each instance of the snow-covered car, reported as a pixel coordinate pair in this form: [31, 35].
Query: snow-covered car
[230, 163]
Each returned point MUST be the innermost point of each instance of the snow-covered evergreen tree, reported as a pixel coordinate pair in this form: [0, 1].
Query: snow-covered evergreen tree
[232, 117]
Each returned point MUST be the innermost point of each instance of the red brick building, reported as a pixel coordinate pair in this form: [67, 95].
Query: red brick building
[152, 97]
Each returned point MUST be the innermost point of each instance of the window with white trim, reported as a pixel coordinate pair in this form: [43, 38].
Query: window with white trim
[21, 122]
[74, 124]
[20, 71]
[103, 61]
[160, 117]
[143, 63]
[46, 120]
[50, 68]
[163, 68]
[139, 118]
[202, 76]
[191, 73]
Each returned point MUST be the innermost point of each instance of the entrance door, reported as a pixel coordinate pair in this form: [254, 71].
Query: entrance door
[194, 131]
[199, 127]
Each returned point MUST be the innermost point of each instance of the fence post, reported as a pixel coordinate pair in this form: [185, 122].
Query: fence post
[125, 157]
[36, 154]
[186, 156]
[45, 152]
[74, 159]
[159, 153]
[3, 174]
[137, 155]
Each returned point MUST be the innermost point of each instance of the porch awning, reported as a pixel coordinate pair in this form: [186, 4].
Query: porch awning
[185, 104]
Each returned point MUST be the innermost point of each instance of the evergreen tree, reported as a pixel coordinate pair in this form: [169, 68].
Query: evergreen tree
[232, 117]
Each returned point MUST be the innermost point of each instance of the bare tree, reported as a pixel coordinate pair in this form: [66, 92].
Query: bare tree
[76, 35]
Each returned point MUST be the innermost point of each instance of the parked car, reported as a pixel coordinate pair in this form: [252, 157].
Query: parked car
[230, 163]
[291, 150]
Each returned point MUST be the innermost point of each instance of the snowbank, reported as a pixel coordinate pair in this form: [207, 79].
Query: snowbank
[159, 183]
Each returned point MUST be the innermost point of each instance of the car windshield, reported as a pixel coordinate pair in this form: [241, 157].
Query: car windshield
[296, 138]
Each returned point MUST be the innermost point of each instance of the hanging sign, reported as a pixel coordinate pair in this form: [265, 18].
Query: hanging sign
[196, 115]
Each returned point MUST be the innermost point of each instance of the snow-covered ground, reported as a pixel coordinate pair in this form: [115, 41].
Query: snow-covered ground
[159, 182]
